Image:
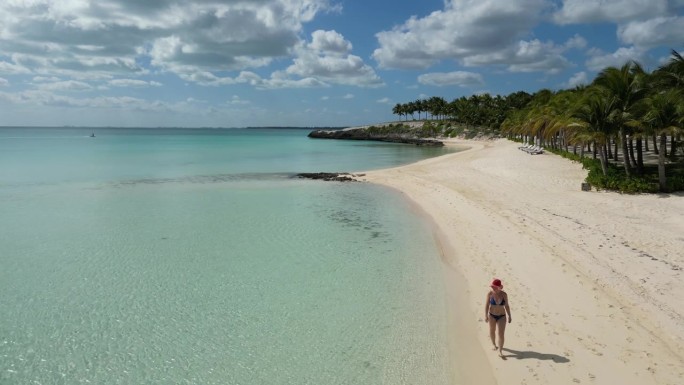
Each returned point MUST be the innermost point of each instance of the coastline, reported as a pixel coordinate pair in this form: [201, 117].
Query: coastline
[593, 277]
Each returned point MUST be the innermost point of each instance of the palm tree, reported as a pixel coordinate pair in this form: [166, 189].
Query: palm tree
[673, 71]
[462, 110]
[671, 76]
[624, 86]
[540, 115]
[411, 108]
[436, 106]
[596, 115]
[558, 126]
[398, 110]
[419, 105]
[665, 113]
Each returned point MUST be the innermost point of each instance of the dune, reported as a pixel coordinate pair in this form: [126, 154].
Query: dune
[594, 278]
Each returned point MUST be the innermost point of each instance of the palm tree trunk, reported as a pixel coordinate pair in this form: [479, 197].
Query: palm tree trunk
[625, 152]
[615, 147]
[604, 160]
[662, 178]
[609, 153]
[655, 144]
[632, 159]
[640, 157]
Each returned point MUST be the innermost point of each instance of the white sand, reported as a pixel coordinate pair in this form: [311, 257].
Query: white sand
[594, 278]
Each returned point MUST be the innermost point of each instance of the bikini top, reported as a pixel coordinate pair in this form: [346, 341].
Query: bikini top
[492, 301]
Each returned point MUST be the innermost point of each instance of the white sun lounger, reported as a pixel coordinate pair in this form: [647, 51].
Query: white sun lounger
[532, 149]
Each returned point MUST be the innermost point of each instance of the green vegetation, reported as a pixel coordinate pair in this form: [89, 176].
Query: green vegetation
[481, 111]
[434, 129]
[394, 129]
[609, 122]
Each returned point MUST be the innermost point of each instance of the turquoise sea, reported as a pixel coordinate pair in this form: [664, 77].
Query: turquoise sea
[192, 256]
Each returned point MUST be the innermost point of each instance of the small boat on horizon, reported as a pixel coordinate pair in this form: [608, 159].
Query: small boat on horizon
[92, 135]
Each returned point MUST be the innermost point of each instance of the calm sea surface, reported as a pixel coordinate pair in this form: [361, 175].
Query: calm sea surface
[176, 256]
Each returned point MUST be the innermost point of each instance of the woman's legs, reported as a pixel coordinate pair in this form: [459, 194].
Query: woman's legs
[502, 329]
[492, 330]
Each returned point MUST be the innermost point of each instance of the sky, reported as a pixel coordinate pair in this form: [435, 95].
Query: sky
[310, 63]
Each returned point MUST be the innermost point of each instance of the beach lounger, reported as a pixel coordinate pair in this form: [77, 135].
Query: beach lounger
[529, 148]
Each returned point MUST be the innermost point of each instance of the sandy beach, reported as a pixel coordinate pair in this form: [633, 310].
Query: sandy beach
[594, 278]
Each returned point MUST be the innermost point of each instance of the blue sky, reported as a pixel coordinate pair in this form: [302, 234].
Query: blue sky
[237, 63]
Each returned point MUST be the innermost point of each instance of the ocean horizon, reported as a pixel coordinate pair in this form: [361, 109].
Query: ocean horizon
[194, 256]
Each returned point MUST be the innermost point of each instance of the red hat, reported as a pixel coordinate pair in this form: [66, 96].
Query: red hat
[496, 283]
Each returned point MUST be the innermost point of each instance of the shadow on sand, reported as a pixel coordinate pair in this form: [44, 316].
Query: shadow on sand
[520, 355]
[677, 194]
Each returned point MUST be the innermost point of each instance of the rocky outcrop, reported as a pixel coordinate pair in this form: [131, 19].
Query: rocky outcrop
[364, 134]
[330, 176]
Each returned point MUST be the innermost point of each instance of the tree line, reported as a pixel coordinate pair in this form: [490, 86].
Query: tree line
[477, 110]
[615, 117]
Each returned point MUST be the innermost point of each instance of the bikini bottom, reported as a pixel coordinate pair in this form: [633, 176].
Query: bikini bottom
[497, 317]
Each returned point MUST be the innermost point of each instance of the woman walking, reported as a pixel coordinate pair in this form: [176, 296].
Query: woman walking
[496, 308]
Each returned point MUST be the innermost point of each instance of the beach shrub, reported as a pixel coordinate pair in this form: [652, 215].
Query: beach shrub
[615, 180]
[429, 129]
[390, 129]
[675, 183]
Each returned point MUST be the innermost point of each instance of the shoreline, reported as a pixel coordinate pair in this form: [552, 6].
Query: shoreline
[593, 277]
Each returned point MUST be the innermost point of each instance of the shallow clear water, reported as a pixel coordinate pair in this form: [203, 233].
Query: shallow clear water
[184, 257]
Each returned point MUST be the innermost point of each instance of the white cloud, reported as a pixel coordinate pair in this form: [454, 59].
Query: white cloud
[599, 60]
[327, 58]
[349, 70]
[576, 42]
[325, 97]
[4, 82]
[184, 37]
[663, 60]
[525, 56]
[330, 42]
[348, 96]
[67, 85]
[456, 78]
[592, 11]
[324, 61]
[133, 83]
[237, 100]
[44, 79]
[653, 32]
[12, 68]
[462, 30]
[384, 101]
[578, 79]
[279, 79]
[48, 98]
